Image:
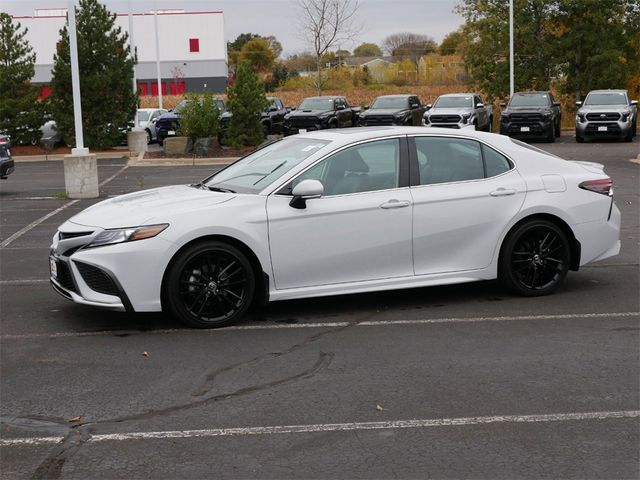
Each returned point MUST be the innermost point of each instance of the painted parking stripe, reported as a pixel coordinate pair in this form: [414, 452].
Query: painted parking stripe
[368, 323]
[337, 427]
[37, 222]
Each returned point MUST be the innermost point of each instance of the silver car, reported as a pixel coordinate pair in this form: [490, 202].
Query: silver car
[147, 118]
[607, 113]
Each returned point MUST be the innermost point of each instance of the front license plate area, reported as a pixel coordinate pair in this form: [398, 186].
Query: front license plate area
[171, 132]
[53, 267]
[602, 129]
[525, 129]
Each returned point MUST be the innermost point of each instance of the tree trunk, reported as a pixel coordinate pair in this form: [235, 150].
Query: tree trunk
[319, 76]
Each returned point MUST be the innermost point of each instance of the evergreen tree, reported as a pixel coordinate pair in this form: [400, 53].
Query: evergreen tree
[106, 76]
[246, 101]
[20, 110]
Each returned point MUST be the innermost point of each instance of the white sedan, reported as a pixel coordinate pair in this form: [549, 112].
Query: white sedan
[338, 212]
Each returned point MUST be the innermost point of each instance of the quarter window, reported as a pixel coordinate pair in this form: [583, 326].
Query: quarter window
[368, 167]
[442, 160]
[496, 162]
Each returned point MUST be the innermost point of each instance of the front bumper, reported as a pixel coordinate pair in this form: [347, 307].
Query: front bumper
[7, 167]
[526, 129]
[610, 129]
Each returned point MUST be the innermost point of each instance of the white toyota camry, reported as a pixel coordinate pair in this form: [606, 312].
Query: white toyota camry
[337, 212]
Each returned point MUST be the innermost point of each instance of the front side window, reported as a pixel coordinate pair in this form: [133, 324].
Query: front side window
[443, 160]
[362, 168]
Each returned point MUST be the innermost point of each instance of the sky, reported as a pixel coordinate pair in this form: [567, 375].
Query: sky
[375, 19]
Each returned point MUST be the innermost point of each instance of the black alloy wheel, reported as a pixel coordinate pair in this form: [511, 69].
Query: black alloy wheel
[210, 284]
[535, 258]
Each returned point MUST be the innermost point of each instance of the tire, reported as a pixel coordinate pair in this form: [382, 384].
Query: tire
[194, 288]
[490, 126]
[149, 137]
[579, 139]
[534, 259]
[266, 129]
[551, 134]
[557, 129]
[635, 127]
[629, 136]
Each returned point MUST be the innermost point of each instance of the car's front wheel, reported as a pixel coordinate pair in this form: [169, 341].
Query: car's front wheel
[209, 284]
[149, 137]
[534, 259]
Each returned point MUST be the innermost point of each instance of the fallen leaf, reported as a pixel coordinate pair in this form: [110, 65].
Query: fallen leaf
[145, 354]
[75, 419]
[379, 408]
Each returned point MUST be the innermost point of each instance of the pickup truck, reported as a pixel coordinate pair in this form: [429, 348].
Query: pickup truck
[459, 110]
[607, 113]
[167, 124]
[531, 114]
[393, 110]
[272, 120]
[318, 113]
[6, 162]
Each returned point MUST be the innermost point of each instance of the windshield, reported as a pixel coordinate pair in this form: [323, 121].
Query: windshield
[390, 102]
[613, 98]
[453, 102]
[530, 100]
[258, 169]
[143, 116]
[316, 104]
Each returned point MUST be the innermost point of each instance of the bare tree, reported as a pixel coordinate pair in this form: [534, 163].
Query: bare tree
[409, 45]
[325, 23]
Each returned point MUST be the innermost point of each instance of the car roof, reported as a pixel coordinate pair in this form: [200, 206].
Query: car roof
[541, 92]
[458, 94]
[398, 95]
[324, 97]
[609, 90]
[150, 109]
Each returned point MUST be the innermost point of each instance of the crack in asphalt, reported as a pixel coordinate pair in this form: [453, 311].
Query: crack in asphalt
[51, 467]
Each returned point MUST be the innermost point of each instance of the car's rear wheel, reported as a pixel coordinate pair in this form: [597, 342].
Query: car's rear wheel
[210, 284]
[149, 137]
[535, 258]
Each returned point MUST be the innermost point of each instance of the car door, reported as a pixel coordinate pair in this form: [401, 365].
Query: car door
[360, 229]
[464, 193]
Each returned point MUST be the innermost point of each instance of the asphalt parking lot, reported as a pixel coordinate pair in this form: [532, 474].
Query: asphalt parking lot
[461, 381]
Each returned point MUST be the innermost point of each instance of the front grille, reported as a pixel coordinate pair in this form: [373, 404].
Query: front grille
[446, 125]
[304, 122]
[96, 279]
[64, 277]
[603, 116]
[525, 117]
[66, 235]
[379, 120]
[168, 125]
[444, 118]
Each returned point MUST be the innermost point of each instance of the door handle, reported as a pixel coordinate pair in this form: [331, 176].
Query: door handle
[395, 204]
[502, 192]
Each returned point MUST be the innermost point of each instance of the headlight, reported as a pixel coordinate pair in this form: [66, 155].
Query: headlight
[546, 116]
[425, 120]
[580, 117]
[465, 118]
[625, 116]
[121, 235]
[504, 117]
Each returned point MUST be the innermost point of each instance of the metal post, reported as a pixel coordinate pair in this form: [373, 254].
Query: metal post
[155, 19]
[75, 81]
[511, 82]
[132, 46]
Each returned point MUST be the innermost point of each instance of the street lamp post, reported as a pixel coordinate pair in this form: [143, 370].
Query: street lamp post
[511, 82]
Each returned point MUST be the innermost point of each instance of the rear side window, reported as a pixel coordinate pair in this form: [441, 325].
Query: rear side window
[496, 162]
[442, 160]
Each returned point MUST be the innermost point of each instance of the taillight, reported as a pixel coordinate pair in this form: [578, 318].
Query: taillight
[604, 186]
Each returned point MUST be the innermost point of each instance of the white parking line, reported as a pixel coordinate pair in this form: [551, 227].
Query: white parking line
[336, 427]
[368, 323]
[37, 222]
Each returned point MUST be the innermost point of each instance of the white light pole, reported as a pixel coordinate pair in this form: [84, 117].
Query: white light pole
[155, 20]
[511, 83]
[75, 81]
[132, 46]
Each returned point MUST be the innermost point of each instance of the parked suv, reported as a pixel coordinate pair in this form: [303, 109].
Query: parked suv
[6, 162]
[607, 113]
[317, 113]
[393, 110]
[459, 110]
[272, 120]
[531, 114]
[167, 124]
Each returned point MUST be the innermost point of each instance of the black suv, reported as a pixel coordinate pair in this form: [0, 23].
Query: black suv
[318, 113]
[272, 120]
[393, 110]
[531, 114]
[6, 162]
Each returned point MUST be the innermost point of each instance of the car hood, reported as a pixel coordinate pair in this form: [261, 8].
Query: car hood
[527, 109]
[382, 111]
[448, 110]
[168, 116]
[304, 113]
[603, 108]
[148, 206]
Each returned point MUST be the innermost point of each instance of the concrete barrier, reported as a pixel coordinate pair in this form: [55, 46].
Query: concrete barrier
[81, 176]
[177, 145]
[137, 141]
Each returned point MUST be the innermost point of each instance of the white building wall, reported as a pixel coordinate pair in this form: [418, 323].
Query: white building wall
[175, 30]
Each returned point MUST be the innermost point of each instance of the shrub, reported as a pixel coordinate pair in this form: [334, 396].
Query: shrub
[200, 118]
